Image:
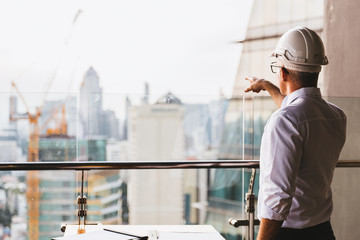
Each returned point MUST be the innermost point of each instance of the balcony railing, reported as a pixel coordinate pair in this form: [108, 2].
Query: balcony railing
[185, 164]
[150, 171]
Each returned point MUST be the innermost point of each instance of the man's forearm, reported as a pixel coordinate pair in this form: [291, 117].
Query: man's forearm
[268, 229]
[275, 93]
[258, 85]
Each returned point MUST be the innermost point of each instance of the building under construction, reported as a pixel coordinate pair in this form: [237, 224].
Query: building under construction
[58, 190]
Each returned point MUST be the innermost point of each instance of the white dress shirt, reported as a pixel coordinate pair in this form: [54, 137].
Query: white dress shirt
[300, 147]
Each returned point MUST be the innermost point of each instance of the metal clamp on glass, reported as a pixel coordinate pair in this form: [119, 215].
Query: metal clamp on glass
[250, 222]
[82, 213]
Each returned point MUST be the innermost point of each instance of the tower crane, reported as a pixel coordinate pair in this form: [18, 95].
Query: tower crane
[60, 129]
[32, 193]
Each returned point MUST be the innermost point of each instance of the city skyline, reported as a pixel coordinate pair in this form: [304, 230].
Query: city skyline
[194, 134]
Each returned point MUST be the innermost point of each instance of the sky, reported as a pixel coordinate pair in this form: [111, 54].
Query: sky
[186, 47]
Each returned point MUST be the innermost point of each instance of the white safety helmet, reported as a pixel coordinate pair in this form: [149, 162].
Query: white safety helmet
[301, 49]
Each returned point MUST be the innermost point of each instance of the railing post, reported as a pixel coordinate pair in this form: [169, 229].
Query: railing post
[250, 209]
[250, 205]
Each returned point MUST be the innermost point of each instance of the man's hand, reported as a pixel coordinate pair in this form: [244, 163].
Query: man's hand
[256, 84]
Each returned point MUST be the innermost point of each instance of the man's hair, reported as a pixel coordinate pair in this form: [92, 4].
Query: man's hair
[304, 79]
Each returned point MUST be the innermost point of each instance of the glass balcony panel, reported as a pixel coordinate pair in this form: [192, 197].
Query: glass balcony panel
[153, 128]
[169, 197]
[188, 129]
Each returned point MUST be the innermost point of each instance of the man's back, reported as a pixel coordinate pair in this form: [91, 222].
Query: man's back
[306, 135]
[323, 126]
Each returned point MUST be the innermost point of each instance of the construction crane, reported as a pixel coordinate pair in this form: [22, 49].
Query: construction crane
[60, 129]
[32, 193]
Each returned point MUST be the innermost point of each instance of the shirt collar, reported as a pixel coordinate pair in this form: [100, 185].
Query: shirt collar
[302, 92]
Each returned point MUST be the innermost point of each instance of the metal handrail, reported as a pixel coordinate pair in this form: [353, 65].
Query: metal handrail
[103, 165]
[348, 164]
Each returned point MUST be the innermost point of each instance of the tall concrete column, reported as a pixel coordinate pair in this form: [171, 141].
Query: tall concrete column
[342, 85]
[342, 35]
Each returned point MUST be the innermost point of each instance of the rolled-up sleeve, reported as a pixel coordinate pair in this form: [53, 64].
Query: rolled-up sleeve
[280, 158]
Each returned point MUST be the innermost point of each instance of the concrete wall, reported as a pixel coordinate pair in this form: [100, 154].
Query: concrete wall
[342, 35]
[342, 84]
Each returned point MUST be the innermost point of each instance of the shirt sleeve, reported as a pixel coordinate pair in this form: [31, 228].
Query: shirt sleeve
[280, 160]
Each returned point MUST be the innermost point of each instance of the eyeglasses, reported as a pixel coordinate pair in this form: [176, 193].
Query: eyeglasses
[274, 68]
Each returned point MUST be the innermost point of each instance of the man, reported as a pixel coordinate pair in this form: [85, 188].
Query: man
[301, 143]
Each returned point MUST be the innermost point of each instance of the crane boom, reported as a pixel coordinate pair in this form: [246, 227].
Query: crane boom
[32, 180]
[21, 96]
[32, 192]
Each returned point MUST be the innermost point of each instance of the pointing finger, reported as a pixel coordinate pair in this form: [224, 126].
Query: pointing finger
[248, 89]
[250, 79]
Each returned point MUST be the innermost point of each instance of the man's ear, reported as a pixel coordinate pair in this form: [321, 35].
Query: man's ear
[284, 74]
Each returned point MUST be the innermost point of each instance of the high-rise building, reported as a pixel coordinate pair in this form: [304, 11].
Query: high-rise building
[125, 134]
[197, 129]
[91, 104]
[94, 121]
[57, 203]
[110, 124]
[13, 124]
[156, 133]
[204, 126]
[117, 151]
[145, 99]
[59, 189]
[217, 111]
[104, 197]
